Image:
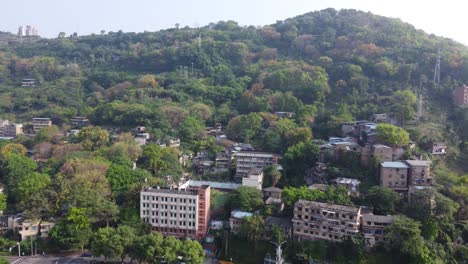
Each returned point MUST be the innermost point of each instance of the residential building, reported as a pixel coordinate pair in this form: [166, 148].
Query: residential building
[249, 160]
[79, 121]
[236, 220]
[28, 82]
[284, 114]
[28, 227]
[11, 130]
[315, 220]
[40, 123]
[352, 185]
[439, 148]
[376, 152]
[254, 178]
[273, 192]
[419, 172]
[460, 95]
[373, 227]
[394, 175]
[177, 212]
[222, 162]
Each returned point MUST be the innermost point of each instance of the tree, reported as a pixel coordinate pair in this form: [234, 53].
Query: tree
[246, 199]
[147, 81]
[392, 135]
[30, 185]
[3, 202]
[382, 199]
[12, 148]
[49, 134]
[297, 159]
[15, 167]
[244, 127]
[405, 239]
[93, 138]
[252, 228]
[107, 243]
[290, 195]
[146, 248]
[127, 237]
[72, 231]
[404, 105]
[272, 176]
[192, 252]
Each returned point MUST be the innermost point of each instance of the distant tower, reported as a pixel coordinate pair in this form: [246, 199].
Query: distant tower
[20, 31]
[437, 68]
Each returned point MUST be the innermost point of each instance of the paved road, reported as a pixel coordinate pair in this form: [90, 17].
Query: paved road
[49, 260]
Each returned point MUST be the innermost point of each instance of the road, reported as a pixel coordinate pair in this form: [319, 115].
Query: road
[49, 260]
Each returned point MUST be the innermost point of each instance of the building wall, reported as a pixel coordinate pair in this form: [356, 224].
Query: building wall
[177, 213]
[394, 178]
[249, 160]
[460, 96]
[314, 221]
[420, 175]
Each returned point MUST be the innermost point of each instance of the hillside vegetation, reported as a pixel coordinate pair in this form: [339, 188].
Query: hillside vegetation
[326, 67]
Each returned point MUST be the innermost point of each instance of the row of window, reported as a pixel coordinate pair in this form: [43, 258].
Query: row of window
[169, 207]
[166, 214]
[170, 222]
[173, 230]
[326, 213]
[168, 199]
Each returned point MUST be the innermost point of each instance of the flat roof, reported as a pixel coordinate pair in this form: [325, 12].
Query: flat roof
[418, 162]
[388, 219]
[394, 164]
[327, 206]
[212, 184]
[240, 214]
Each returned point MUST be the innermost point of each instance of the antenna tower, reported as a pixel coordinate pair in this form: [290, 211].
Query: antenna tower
[437, 68]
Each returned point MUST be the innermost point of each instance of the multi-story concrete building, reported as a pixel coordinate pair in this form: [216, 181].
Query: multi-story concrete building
[394, 175]
[79, 121]
[40, 123]
[11, 130]
[27, 228]
[254, 178]
[460, 95]
[373, 227]
[439, 148]
[177, 212]
[249, 160]
[315, 220]
[419, 172]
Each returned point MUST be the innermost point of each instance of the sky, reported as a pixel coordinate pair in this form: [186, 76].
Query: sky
[444, 18]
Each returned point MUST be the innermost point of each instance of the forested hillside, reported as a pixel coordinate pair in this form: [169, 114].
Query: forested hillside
[325, 67]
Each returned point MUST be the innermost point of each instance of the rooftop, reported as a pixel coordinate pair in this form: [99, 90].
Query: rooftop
[342, 180]
[240, 214]
[388, 219]
[418, 162]
[394, 164]
[212, 184]
[278, 221]
[272, 189]
[381, 146]
[173, 191]
[328, 206]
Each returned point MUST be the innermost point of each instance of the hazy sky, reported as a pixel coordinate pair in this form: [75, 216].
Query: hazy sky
[446, 18]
